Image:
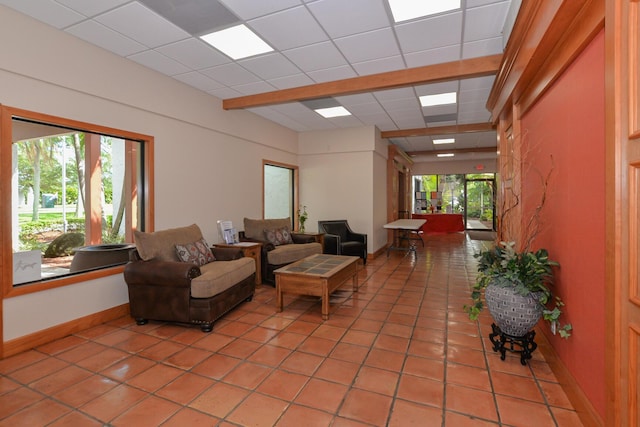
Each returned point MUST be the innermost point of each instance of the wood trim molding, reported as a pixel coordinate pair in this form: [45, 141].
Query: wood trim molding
[27, 342]
[466, 68]
[439, 130]
[455, 151]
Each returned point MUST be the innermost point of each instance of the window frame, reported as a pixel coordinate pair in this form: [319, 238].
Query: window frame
[7, 114]
[295, 189]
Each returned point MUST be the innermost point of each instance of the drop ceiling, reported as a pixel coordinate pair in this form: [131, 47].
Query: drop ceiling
[314, 41]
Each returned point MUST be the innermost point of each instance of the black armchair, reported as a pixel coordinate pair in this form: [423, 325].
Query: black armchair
[339, 239]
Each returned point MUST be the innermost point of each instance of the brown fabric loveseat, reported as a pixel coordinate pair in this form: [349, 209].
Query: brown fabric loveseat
[275, 256]
[164, 287]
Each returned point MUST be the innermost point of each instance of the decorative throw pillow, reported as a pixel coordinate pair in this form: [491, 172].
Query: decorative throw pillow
[278, 236]
[197, 252]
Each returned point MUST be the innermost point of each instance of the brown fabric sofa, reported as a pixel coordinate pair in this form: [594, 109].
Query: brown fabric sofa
[272, 256]
[162, 287]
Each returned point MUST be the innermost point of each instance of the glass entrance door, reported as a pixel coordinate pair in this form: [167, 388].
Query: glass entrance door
[480, 203]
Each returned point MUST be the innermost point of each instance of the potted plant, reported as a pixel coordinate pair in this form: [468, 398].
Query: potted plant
[508, 277]
[302, 217]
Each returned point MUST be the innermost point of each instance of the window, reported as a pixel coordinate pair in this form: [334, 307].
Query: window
[77, 193]
[279, 193]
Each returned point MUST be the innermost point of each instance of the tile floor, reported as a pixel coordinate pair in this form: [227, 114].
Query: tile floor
[400, 352]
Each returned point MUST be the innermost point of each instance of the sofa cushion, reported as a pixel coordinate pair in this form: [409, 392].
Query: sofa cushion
[161, 245]
[287, 254]
[197, 252]
[254, 228]
[218, 276]
[279, 236]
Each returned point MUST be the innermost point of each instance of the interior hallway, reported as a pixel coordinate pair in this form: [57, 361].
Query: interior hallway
[399, 352]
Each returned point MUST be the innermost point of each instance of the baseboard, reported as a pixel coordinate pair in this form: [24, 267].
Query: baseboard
[27, 342]
[587, 413]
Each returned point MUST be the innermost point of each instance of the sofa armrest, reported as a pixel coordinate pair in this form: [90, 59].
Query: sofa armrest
[302, 238]
[266, 245]
[160, 273]
[227, 254]
[331, 244]
[358, 237]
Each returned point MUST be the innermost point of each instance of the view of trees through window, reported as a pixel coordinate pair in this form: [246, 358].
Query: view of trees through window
[471, 195]
[71, 189]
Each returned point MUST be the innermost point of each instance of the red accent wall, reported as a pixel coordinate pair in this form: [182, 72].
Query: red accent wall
[564, 132]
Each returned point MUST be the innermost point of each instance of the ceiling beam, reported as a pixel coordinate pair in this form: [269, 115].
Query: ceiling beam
[463, 69]
[454, 151]
[440, 130]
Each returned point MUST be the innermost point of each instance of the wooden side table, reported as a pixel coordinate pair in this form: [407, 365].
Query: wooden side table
[249, 249]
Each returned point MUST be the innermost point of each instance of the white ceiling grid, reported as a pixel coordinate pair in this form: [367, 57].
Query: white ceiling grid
[314, 41]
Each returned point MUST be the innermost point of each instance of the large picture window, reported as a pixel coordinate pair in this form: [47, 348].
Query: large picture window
[77, 192]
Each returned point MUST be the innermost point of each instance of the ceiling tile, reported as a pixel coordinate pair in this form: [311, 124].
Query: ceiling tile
[394, 94]
[141, 24]
[91, 8]
[254, 88]
[476, 95]
[331, 74]
[159, 62]
[287, 82]
[357, 99]
[99, 35]
[273, 115]
[230, 74]
[379, 65]
[431, 33]
[433, 56]
[196, 17]
[316, 56]
[482, 48]
[485, 22]
[436, 88]
[194, 53]
[270, 66]
[370, 45]
[477, 83]
[224, 93]
[249, 9]
[277, 30]
[47, 11]
[341, 18]
[198, 81]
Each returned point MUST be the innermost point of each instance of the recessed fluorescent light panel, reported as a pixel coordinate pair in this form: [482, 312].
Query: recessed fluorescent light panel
[444, 141]
[403, 10]
[438, 99]
[327, 113]
[446, 155]
[237, 42]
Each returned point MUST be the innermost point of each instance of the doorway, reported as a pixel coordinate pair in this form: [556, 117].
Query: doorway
[480, 203]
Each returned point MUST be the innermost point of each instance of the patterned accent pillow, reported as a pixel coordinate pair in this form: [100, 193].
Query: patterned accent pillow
[197, 253]
[278, 236]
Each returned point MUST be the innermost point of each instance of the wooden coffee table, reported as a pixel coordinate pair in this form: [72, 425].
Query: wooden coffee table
[316, 275]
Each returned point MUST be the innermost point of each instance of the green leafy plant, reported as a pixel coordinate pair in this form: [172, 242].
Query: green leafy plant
[527, 272]
[302, 217]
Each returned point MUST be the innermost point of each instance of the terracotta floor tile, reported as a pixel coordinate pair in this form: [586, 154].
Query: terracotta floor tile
[213, 341]
[555, 395]
[510, 365]
[258, 410]
[75, 419]
[38, 370]
[247, 375]
[277, 323]
[302, 327]
[105, 358]
[288, 340]
[385, 359]
[421, 390]
[60, 380]
[115, 337]
[466, 356]
[302, 363]
[216, 366]
[426, 349]
[349, 352]
[468, 376]
[61, 345]
[338, 371]
[163, 330]
[359, 338]
[367, 407]
[377, 380]
[96, 331]
[13, 363]
[137, 342]
[329, 332]
[234, 329]
[519, 412]
[240, 348]
[109, 405]
[269, 355]
[150, 412]
[185, 388]
[7, 385]
[566, 418]
[190, 417]
[406, 413]
[127, 368]
[471, 341]
[318, 346]
[312, 417]
[423, 367]
[462, 420]
[260, 334]
[367, 325]
[86, 390]
[391, 343]
[82, 352]
[18, 399]
[41, 413]
[397, 330]
[220, 399]
[469, 401]
[323, 395]
[187, 358]
[283, 385]
[517, 386]
[155, 377]
[162, 350]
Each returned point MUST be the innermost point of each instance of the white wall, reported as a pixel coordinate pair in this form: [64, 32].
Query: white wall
[337, 181]
[208, 162]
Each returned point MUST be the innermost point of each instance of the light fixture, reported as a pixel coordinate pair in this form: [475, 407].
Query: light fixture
[332, 112]
[445, 155]
[438, 99]
[237, 42]
[444, 141]
[403, 10]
